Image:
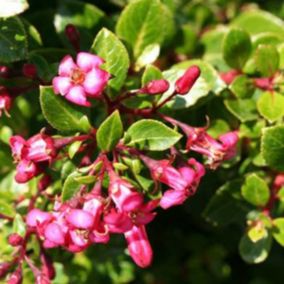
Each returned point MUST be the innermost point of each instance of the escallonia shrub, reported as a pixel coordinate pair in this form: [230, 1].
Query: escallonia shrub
[99, 136]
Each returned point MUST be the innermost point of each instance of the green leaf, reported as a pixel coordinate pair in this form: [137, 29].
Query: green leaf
[226, 207]
[271, 106]
[84, 16]
[257, 21]
[109, 132]
[151, 73]
[267, 60]
[73, 149]
[61, 114]
[151, 135]
[278, 230]
[148, 56]
[255, 190]
[242, 87]
[142, 23]
[85, 179]
[13, 40]
[19, 226]
[272, 147]
[12, 8]
[236, 48]
[71, 186]
[256, 233]
[6, 209]
[111, 49]
[255, 252]
[244, 110]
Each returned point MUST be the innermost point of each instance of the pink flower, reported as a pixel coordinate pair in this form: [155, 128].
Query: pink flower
[37, 217]
[54, 234]
[5, 102]
[80, 219]
[118, 222]
[123, 194]
[139, 246]
[81, 80]
[191, 173]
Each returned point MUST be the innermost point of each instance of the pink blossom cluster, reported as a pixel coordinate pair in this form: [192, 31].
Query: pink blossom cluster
[32, 156]
[81, 80]
[91, 219]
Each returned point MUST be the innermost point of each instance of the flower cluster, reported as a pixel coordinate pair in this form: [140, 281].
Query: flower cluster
[32, 156]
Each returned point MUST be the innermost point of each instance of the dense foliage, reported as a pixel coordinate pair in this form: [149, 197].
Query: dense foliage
[113, 113]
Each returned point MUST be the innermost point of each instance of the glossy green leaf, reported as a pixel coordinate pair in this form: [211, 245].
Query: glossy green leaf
[255, 190]
[272, 147]
[71, 187]
[255, 252]
[278, 230]
[151, 135]
[244, 110]
[226, 207]
[6, 209]
[19, 225]
[258, 21]
[242, 87]
[236, 48]
[266, 60]
[73, 148]
[13, 40]
[148, 56]
[142, 23]
[61, 114]
[109, 132]
[271, 106]
[111, 49]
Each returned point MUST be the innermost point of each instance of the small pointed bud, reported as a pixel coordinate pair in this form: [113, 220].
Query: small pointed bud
[15, 240]
[73, 36]
[4, 71]
[229, 77]
[4, 268]
[186, 82]
[44, 182]
[139, 246]
[16, 277]
[155, 87]
[48, 268]
[29, 70]
[80, 219]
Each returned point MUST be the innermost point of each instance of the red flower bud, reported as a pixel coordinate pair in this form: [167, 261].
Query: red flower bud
[44, 182]
[155, 87]
[186, 82]
[29, 70]
[15, 240]
[73, 36]
[4, 268]
[16, 277]
[4, 71]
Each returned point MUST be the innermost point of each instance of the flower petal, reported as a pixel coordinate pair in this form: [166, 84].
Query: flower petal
[66, 65]
[77, 95]
[61, 85]
[172, 198]
[87, 61]
[95, 82]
